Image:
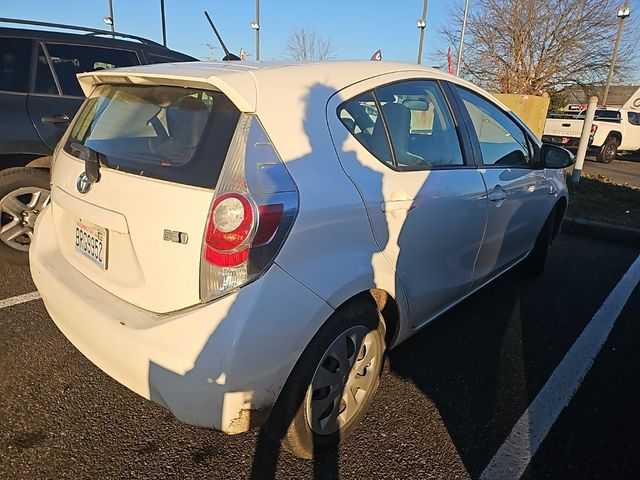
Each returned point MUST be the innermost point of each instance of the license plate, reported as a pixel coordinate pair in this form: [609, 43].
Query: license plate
[91, 241]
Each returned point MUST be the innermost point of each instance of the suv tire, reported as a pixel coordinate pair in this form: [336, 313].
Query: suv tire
[293, 420]
[24, 192]
[608, 151]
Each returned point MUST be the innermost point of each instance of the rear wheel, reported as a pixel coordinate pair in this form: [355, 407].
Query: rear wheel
[24, 192]
[608, 151]
[332, 384]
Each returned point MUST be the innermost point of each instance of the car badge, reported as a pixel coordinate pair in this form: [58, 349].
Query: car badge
[83, 184]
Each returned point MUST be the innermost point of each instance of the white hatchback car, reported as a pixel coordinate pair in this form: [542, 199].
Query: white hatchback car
[242, 243]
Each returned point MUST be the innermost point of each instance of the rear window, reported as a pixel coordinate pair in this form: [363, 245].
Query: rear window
[171, 133]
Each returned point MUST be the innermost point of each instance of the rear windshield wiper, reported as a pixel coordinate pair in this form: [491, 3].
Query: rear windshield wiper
[92, 160]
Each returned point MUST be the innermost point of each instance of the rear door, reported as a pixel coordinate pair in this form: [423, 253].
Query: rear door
[426, 200]
[520, 195]
[56, 92]
[138, 230]
[17, 134]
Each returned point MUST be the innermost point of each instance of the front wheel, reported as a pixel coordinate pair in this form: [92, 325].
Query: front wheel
[333, 383]
[24, 192]
[534, 264]
[608, 151]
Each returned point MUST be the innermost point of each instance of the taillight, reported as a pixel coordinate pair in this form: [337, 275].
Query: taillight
[594, 128]
[229, 226]
[251, 214]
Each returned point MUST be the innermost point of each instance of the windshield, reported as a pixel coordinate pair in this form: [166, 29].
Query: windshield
[171, 133]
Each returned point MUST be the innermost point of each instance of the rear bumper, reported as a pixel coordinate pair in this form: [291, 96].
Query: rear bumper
[218, 365]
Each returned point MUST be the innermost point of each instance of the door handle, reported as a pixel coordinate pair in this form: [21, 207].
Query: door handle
[55, 119]
[497, 194]
[394, 205]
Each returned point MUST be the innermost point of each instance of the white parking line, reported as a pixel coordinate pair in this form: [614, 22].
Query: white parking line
[516, 452]
[27, 297]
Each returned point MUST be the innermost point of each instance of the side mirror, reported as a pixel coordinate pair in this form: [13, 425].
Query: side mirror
[556, 157]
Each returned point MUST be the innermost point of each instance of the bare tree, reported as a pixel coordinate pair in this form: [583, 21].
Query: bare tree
[537, 46]
[306, 45]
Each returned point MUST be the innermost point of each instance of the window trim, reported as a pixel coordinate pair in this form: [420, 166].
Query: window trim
[466, 148]
[476, 141]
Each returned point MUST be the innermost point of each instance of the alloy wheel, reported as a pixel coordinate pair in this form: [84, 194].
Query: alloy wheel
[18, 212]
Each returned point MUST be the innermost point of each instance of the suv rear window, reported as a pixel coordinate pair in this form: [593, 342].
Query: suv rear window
[170, 133]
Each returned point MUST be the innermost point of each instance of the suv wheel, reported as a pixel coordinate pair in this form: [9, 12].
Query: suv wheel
[332, 384]
[608, 151]
[24, 192]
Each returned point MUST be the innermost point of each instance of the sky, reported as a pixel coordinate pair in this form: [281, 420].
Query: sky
[356, 28]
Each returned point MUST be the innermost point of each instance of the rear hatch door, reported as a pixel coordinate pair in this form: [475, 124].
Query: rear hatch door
[158, 150]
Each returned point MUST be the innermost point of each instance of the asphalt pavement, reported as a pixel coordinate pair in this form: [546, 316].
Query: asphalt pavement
[448, 399]
[623, 170]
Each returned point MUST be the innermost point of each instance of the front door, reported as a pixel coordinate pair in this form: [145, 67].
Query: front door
[519, 193]
[400, 146]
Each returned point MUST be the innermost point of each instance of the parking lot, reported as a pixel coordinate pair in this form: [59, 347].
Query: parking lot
[449, 397]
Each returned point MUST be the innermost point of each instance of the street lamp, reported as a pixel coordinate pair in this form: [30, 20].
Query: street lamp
[623, 13]
[255, 24]
[421, 23]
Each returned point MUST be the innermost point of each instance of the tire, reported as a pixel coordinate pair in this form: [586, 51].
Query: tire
[293, 421]
[608, 151]
[535, 262]
[24, 192]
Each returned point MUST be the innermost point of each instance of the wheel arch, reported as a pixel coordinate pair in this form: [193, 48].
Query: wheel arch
[615, 134]
[559, 211]
[387, 306]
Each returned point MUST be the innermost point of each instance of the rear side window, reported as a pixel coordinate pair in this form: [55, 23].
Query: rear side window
[420, 125]
[69, 60]
[634, 118]
[15, 56]
[171, 133]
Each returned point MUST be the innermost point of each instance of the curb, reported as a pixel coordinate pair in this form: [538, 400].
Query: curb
[601, 231]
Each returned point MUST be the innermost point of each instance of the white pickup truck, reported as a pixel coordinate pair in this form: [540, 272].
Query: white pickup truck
[613, 130]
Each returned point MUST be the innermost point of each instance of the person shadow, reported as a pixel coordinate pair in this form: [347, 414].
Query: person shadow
[314, 174]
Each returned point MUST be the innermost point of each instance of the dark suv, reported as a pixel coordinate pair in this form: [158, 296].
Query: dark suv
[39, 95]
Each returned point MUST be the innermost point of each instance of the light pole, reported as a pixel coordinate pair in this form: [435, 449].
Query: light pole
[421, 23]
[256, 26]
[164, 23]
[109, 20]
[622, 14]
[464, 27]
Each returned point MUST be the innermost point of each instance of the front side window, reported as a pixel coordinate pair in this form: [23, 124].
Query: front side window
[421, 127]
[502, 142]
[70, 60]
[634, 118]
[171, 133]
[15, 56]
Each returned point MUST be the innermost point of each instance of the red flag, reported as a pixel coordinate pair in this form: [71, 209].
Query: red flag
[377, 56]
[450, 61]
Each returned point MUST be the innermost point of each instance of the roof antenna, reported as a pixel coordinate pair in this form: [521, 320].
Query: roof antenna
[227, 55]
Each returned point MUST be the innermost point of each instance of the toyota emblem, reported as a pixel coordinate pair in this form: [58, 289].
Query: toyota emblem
[83, 184]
